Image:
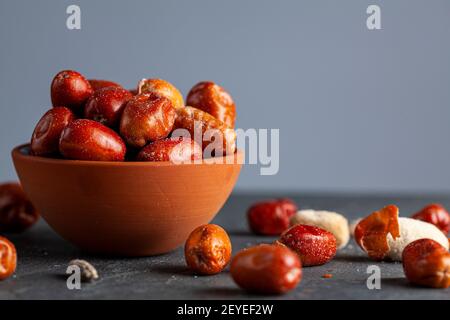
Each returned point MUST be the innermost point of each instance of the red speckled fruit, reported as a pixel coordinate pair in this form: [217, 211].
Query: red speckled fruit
[314, 245]
[106, 105]
[208, 249]
[435, 214]
[70, 89]
[212, 98]
[146, 118]
[266, 269]
[162, 88]
[176, 150]
[8, 258]
[100, 84]
[427, 263]
[271, 217]
[17, 213]
[85, 139]
[45, 139]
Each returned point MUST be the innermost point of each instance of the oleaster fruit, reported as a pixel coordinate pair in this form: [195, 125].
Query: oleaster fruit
[427, 263]
[314, 246]
[271, 217]
[384, 236]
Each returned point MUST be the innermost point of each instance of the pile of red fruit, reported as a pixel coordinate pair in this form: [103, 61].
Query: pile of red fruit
[99, 120]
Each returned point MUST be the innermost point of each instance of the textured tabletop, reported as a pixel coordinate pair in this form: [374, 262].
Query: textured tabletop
[43, 258]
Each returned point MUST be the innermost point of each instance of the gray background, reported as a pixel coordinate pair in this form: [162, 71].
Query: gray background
[358, 110]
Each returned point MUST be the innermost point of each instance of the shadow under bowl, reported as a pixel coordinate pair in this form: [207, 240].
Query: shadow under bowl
[126, 208]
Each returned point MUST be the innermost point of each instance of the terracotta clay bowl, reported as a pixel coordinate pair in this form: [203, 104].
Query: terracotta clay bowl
[125, 208]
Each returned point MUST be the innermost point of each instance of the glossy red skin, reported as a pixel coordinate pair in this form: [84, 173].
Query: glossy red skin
[266, 269]
[8, 258]
[106, 105]
[100, 84]
[176, 150]
[146, 118]
[435, 214]
[212, 98]
[46, 134]
[427, 263]
[17, 213]
[208, 249]
[70, 89]
[85, 139]
[314, 245]
[162, 88]
[271, 217]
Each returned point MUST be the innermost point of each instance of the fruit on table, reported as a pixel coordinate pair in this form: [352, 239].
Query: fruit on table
[100, 84]
[314, 246]
[435, 214]
[176, 150]
[162, 88]
[70, 89]
[106, 105]
[85, 139]
[208, 249]
[215, 100]
[8, 258]
[45, 138]
[204, 128]
[271, 217]
[266, 269]
[427, 263]
[146, 118]
[17, 213]
[333, 222]
[384, 236]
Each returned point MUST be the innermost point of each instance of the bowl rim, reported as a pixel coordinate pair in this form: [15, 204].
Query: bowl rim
[236, 158]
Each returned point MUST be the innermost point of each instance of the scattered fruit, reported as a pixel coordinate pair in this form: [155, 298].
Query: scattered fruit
[314, 246]
[333, 222]
[17, 213]
[208, 249]
[266, 269]
[87, 271]
[271, 217]
[427, 263]
[435, 214]
[8, 258]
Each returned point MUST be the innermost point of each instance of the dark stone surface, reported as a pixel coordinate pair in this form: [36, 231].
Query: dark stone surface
[43, 258]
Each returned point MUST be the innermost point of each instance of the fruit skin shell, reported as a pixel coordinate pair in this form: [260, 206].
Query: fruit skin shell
[70, 89]
[45, 138]
[85, 139]
[17, 213]
[162, 88]
[271, 217]
[314, 245]
[266, 269]
[146, 118]
[199, 124]
[212, 98]
[208, 249]
[176, 150]
[106, 105]
[435, 214]
[8, 258]
[97, 84]
[427, 263]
